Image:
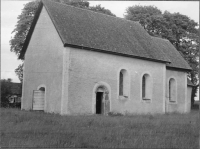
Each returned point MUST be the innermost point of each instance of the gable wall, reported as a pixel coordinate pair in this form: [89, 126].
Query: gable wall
[43, 64]
[181, 91]
[88, 68]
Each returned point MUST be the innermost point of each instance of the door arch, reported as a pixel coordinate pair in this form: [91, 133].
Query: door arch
[101, 99]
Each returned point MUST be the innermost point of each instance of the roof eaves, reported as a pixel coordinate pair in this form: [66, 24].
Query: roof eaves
[178, 68]
[28, 37]
[116, 53]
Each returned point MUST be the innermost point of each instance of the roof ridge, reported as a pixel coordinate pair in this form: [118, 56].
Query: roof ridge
[136, 22]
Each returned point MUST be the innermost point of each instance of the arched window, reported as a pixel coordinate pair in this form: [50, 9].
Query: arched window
[42, 89]
[146, 87]
[39, 98]
[172, 90]
[123, 83]
[143, 86]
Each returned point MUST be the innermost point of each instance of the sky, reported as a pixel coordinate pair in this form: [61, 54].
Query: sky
[9, 12]
[10, 9]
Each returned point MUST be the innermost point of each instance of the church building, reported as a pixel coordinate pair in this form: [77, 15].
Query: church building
[82, 62]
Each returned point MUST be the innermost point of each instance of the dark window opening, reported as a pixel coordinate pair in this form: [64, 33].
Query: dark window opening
[121, 84]
[143, 86]
[170, 91]
[42, 89]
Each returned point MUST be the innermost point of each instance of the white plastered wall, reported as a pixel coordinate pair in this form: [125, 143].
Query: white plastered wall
[89, 67]
[180, 78]
[43, 65]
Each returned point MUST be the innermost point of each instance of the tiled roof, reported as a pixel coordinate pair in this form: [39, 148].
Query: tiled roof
[95, 31]
[177, 61]
[87, 29]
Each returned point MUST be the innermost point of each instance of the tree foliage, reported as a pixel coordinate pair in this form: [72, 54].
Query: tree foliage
[19, 71]
[23, 25]
[100, 9]
[142, 14]
[75, 3]
[179, 29]
[5, 91]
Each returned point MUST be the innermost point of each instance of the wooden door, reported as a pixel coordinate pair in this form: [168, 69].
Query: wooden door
[38, 99]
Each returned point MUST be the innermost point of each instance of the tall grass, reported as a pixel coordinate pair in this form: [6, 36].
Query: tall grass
[38, 129]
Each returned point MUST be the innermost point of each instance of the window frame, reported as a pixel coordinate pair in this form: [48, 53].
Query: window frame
[146, 87]
[124, 93]
[121, 87]
[172, 88]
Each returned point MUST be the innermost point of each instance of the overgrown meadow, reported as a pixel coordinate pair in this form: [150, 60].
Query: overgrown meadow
[38, 129]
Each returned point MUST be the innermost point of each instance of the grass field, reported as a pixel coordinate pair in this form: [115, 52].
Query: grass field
[38, 129]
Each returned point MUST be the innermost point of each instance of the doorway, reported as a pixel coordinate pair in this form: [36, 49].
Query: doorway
[101, 99]
[99, 103]
[39, 99]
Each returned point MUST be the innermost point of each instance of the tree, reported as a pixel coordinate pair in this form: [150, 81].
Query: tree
[5, 91]
[21, 30]
[100, 9]
[179, 29]
[19, 71]
[25, 20]
[23, 25]
[75, 3]
[141, 14]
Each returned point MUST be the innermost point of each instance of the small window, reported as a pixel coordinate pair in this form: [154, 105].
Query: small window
[172, 90]
[123, 83]
[143, 87]
[42, 89]
[146, 87]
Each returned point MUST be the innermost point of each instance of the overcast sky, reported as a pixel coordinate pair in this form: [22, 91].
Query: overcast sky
[11, 9]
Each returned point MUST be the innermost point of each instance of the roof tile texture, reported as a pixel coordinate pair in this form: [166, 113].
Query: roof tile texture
[86, 28]
[177, 61]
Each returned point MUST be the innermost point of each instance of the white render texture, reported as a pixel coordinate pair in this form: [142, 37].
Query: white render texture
[43, 65]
